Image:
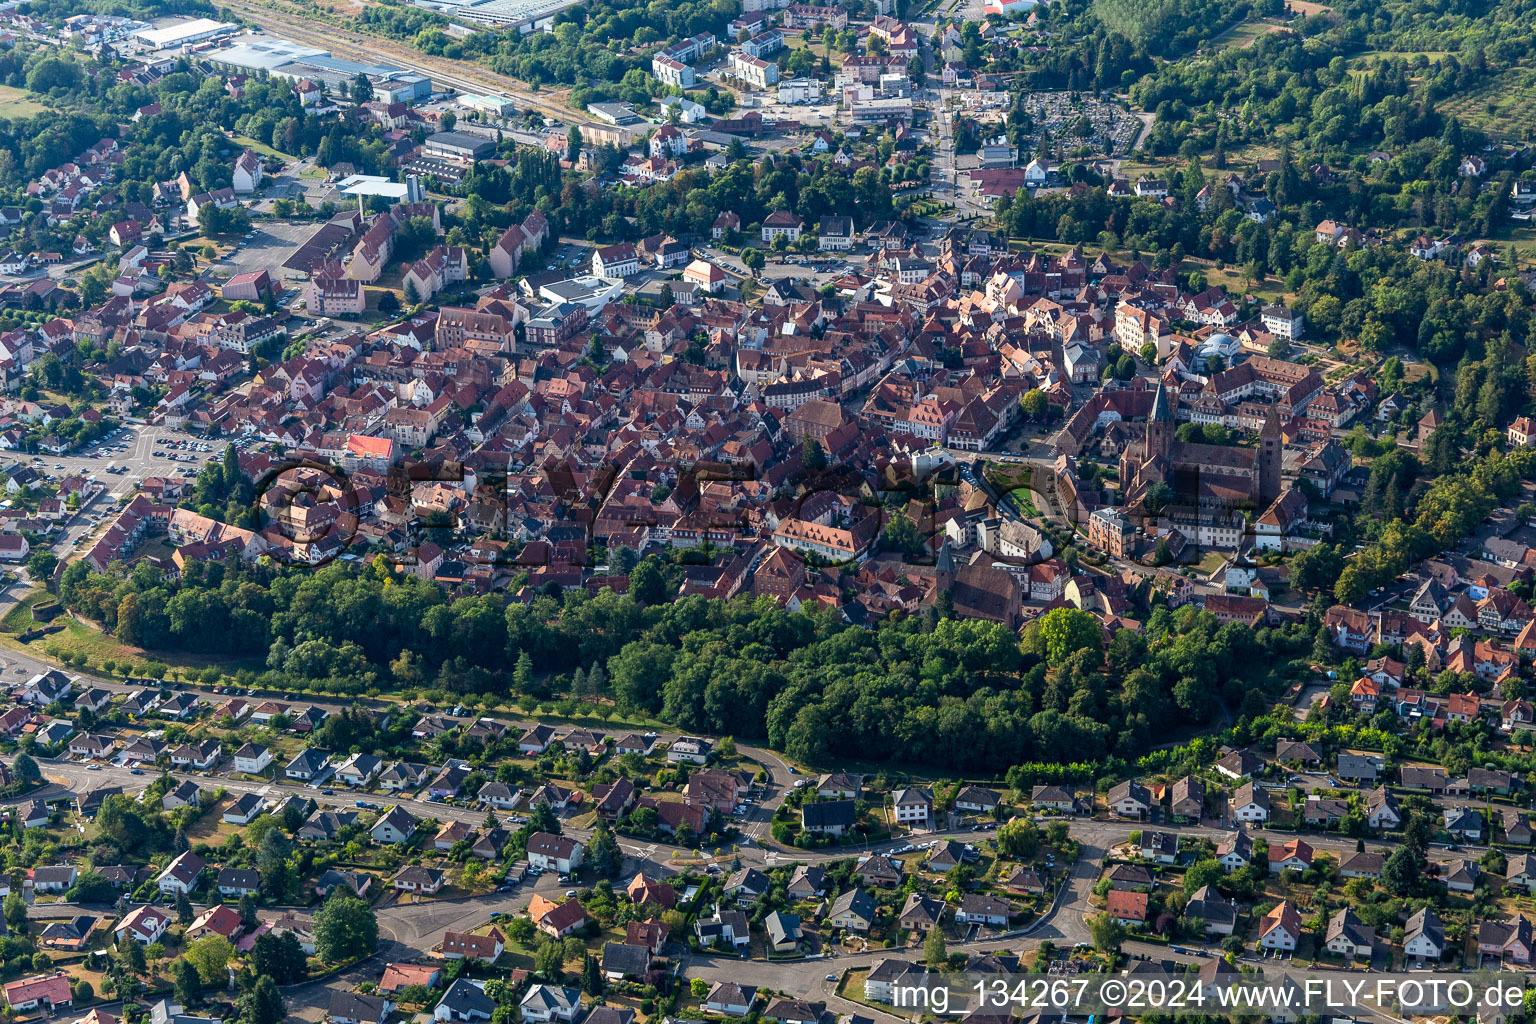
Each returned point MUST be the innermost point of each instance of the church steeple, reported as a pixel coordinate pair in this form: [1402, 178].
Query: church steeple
[1160, 424]
[1271, 455]
[1162, 411]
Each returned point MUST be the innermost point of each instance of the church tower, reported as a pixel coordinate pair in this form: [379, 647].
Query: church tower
[1160, 425]
[1271, 450]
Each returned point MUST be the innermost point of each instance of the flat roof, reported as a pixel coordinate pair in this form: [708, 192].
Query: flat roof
[497, 10]
[263, 54]
[461, 140]
[183, 31]
[372, 185]
[579, 289]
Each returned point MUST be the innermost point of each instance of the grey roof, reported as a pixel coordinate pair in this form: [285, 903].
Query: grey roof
[465, 996]
[309, 761]
[1464, 819]
[927, 907]
[1357, 766]
[1132, 789]
[247, 803]
[829, 814]
[782, 927]
[1207, 905]
[240, 878]
[749, 879]
[890, 969]
[856, 901]
[551, 998]
[633, 961]
[1345, 924]
[356, 1006]
[729, 993]
[1427, 924]
[326, 824]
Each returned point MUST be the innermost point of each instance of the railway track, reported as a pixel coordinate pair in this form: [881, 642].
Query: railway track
[354, 45]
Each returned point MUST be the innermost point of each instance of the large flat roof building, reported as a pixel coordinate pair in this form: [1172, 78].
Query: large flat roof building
[527, 15]
[184, 32]
[459, 146]
[282, 58]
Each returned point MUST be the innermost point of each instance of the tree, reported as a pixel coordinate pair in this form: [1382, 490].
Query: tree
[1400, 874]
[91, 888]
[210, 955]
[1158, 496]
[1108, 934]
[1033, 404]
[573, 143]
[345, 929]
[647, 584]
[753, 260]
[134, 958]
[272, 862]
[362, 89]
[521, 931]
[699, 987]
[41, 564]
[183, 907]
[263, 1004]
[1065, 631]
[548, 960]
[279, 956]
[1018, 839]
[591, 976]
[813, 455]
[935, 953]
[16, 912]
[1202, 873]
[389, 303]
[603, 852]
[26, 770]
[187, 986]
[541, 818]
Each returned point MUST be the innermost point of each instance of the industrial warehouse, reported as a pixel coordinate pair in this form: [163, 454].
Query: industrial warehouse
[283, 59]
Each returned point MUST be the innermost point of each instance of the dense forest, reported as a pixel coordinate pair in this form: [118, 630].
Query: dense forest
[968, 694]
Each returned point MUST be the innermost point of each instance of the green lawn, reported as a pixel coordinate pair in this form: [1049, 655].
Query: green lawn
[1245, 34]
[19, 102]
[79, 638]
[264, 149]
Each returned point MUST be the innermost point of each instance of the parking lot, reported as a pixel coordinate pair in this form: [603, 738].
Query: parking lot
[264, 248]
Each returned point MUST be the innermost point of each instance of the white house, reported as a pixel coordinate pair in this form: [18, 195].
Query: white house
[143, 925]
[248, 173]
[181, 874]
[544, 1004]
[252, 759]
[396, 826]
[913, 807]
[1250, 803]
[612, 262]
[555, 853]
[1281, 928]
